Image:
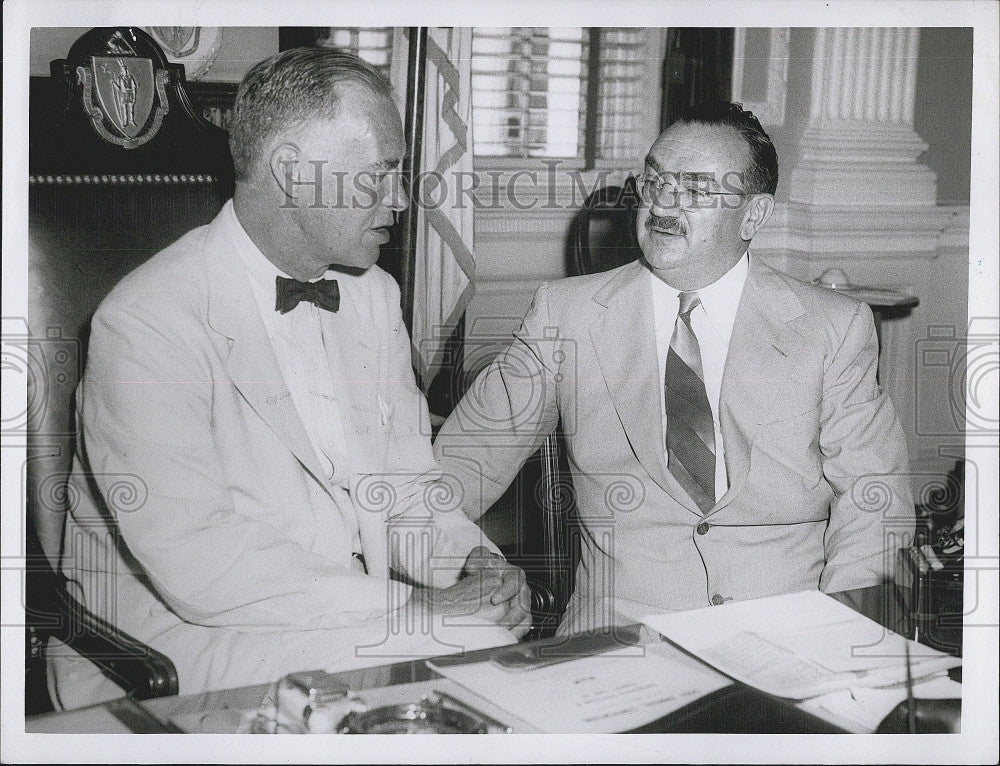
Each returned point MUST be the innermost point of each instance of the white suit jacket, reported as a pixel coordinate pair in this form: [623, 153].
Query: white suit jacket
[818, 489]
[201, 522]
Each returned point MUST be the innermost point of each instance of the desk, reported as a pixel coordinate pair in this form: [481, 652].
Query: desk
[734, 709]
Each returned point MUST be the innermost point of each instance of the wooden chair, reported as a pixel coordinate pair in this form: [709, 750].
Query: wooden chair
[602, 235]
[120, 166]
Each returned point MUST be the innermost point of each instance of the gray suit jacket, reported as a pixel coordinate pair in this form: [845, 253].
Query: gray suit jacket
[818, 487]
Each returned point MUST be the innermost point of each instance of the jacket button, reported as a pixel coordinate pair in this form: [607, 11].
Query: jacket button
[717, 600]
[702, 529]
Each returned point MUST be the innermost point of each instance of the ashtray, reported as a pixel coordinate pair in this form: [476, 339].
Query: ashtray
[434, 714]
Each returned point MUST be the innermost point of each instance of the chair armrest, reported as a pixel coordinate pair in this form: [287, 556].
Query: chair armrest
[545, 612]
[543, 600]
[140, 670]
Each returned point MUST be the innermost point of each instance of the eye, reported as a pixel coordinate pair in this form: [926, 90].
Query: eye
[655, 183]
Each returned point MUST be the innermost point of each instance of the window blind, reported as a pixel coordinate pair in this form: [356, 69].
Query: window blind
[528, 91]
[622, 64]
[529, 87]
[373, 44]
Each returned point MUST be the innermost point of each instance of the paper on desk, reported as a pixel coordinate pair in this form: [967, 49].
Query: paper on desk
[611, 692]
[798, 645]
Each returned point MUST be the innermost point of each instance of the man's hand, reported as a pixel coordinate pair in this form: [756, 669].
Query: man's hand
[488, 588]
[512, 593]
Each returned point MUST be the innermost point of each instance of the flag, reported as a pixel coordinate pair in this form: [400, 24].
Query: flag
[444, 269]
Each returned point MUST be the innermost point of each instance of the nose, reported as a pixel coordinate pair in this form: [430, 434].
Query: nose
[396, 197]
[664, 200]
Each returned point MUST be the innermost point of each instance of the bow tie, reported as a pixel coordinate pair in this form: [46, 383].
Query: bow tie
[325, 293]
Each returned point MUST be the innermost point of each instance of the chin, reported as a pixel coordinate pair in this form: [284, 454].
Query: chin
[664, 254]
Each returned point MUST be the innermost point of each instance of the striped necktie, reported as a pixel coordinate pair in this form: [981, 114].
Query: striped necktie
[690, 430]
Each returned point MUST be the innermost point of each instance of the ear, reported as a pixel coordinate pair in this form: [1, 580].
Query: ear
[285, 165]
[758, 211]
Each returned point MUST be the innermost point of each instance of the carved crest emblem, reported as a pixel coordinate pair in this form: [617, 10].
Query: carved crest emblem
[119, 93]
[125, 91]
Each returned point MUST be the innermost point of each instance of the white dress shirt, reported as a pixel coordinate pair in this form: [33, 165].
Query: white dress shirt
[712, 322]
[305, 343]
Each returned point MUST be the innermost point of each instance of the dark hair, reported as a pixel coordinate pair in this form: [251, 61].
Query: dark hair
[288, 89]
[761, 173]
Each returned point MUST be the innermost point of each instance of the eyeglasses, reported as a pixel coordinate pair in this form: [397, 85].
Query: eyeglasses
[661, 191]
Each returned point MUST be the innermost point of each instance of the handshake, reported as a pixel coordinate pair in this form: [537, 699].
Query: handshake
[488, 588]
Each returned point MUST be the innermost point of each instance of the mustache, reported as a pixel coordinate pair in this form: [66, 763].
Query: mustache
[668, 222]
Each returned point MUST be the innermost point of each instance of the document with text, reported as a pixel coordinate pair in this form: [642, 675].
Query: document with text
[798, 645]
[606, 693]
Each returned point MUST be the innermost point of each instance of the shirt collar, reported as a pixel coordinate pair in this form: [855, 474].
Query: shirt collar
[261, 271]
[720, 300]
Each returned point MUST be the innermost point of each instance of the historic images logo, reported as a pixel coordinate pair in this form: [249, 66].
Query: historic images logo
[118, 94]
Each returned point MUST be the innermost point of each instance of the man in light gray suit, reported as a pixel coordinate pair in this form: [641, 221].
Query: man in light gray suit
[725, 430]
[251, 386]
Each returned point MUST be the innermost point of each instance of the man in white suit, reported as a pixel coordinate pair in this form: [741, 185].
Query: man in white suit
[724, 427]
[249, 390]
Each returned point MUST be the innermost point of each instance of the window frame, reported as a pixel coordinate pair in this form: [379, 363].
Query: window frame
[616, 170]
[649, 112]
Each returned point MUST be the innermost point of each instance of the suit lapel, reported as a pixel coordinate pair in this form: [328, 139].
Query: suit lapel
[761, 358]
[252, 366]
[625, 345]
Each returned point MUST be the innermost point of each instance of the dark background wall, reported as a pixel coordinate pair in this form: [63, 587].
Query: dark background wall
[942, 112]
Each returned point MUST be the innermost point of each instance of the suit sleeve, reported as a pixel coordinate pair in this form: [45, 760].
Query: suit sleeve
[865, 462]
[426, 511]
[145, 412]
[506, 414]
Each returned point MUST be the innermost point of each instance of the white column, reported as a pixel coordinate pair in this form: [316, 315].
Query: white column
[859, 146]
[858, 199]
